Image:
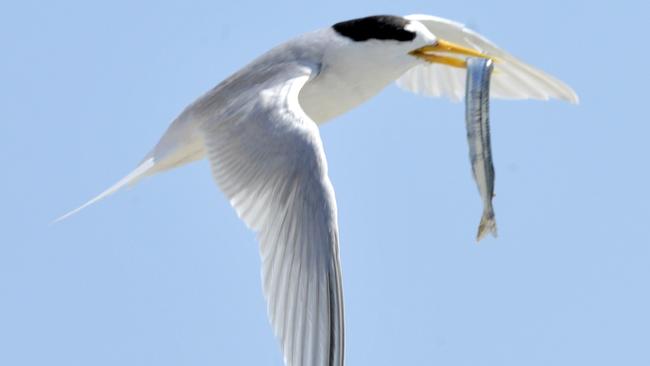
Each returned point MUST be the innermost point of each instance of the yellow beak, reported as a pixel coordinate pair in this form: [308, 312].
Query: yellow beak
[441, 53]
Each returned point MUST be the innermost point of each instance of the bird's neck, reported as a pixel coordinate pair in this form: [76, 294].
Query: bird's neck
[335, 92]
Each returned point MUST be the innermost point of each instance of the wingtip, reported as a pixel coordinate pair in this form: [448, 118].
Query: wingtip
[569, 95]
[566, 93]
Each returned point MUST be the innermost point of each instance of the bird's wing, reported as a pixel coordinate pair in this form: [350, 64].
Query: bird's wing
[270, 163]
[512, 78]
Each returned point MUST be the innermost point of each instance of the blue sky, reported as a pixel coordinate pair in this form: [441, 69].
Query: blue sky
[165, 274]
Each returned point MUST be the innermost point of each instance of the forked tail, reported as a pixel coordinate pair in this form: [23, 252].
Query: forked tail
[137, 173]
[181, 144]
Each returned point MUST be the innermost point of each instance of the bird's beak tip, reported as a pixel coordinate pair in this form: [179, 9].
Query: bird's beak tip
[443, 51]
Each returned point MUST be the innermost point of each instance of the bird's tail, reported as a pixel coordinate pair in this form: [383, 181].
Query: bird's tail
[181, 144]
[137, 173]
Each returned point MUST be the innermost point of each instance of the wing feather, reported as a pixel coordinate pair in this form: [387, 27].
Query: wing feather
[512, 79]
[269, 161]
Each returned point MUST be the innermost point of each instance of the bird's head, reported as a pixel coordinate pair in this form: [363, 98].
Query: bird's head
[395, 41]
[360, 57]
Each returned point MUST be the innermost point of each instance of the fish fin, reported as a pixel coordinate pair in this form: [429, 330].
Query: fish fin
[488, 225]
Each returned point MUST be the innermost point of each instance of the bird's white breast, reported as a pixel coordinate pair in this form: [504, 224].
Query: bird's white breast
[328, 97]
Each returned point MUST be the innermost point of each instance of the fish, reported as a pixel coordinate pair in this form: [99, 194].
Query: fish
[477, 122]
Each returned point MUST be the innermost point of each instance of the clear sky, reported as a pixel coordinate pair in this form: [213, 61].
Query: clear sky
[165, 274]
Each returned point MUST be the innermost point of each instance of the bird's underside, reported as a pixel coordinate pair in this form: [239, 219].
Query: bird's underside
[259, 130]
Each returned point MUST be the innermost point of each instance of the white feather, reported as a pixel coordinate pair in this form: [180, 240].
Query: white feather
[512, 78]
[269, 161]
[258, 129]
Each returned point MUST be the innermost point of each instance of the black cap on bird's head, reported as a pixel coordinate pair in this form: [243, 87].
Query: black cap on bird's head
[384, 27]
[404, 32]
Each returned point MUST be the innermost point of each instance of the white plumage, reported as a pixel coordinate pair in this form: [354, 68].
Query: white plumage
[269, 161]
[512, 78]
[259, 130]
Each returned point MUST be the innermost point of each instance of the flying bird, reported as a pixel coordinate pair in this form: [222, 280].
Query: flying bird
[259, 130]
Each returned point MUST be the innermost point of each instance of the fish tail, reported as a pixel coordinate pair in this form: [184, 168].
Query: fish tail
[488, 225]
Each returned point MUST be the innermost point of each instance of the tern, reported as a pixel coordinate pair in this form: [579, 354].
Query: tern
[259, 129]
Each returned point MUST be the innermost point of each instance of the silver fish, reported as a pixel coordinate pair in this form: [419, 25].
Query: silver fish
[477, 100]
